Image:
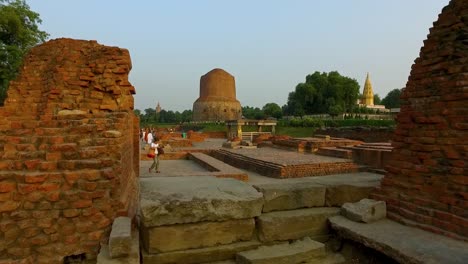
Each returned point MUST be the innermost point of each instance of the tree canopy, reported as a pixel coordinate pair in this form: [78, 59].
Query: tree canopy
[323, 93]
[392, 100]
[19, 32]
[272, 110]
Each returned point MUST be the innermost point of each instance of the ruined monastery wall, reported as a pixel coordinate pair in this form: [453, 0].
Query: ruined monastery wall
[427, 180]
[68, 142]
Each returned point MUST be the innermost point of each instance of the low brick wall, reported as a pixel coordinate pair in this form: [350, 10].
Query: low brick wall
[277, 170]
[312, 144]
[365, 134]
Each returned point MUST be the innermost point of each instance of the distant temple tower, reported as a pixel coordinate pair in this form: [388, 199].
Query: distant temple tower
[217, 101]
[158, 109]
[367, 94]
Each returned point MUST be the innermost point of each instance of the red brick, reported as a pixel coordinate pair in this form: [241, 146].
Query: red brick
[53, 156]
[39, 240]
[72, 239]
[6, 196]
[71, 177]
[71, 213]
[82, 204]
[48, 187]
[8, 206]
[32, 164]
[35, 177]
[96, 235]
[7, 186]
[34, 196]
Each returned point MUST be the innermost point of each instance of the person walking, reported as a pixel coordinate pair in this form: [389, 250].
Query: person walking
[154, 146]
[150, 137]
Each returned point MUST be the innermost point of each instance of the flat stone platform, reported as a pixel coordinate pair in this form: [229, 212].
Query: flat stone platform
[403, 243]
[279, 163]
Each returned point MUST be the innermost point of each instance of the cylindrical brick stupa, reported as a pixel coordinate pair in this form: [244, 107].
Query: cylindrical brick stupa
[217, 101]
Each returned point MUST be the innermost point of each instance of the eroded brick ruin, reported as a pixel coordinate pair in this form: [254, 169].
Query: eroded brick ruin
[427, 180]
[217, 101]
[68, 147]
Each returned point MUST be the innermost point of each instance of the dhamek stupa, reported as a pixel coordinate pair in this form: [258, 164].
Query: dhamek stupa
[217, 101]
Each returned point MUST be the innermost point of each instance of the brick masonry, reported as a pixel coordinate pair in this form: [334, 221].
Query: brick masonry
[69, 151]
[427, 180]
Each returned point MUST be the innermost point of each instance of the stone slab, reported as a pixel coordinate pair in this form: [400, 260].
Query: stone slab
[291, 195]
[175, 200]
[297, 252]
[196, 235]
[133, 256]
[337, 195]
[201, 255]
[403, 243]
[294, 224]
[120, 239]
[366, 210]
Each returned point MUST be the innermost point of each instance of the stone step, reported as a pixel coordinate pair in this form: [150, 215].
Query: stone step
[287, 253]
[177, 200]
[291, 195]
[200, 255]
[403, 243]
[295, 224]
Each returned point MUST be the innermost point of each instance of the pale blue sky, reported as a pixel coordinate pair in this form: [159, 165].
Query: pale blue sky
[268, 45]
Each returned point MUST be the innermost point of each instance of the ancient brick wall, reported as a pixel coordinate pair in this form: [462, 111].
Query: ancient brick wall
[365, 134]
[68, 165]
[427, 180]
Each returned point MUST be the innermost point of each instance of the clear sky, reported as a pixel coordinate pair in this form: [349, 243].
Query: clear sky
[268, 45]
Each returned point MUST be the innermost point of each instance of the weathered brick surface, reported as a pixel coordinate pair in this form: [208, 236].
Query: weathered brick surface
[217, 101]
[427, 183]
[67, 140]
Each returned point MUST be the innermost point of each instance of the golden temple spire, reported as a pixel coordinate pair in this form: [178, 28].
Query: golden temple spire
[367, 94]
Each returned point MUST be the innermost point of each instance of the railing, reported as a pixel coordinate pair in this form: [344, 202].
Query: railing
[250, 135]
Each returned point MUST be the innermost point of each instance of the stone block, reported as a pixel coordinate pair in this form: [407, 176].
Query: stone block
[337, 195]
[196, 235]
[176, 200]
[294, 224]
[288, 196]
[366, 210]
[133, 256]
[120, 238]
[297, 252]
[200, 255]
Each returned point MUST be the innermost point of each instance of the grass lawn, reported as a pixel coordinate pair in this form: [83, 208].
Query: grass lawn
[295, 131]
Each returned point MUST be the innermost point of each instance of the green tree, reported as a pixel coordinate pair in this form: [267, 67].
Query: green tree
[272, 110]
[392, 100]
[19, 32]
[322, 91]
[252, 112]
[377, 99]
[187, 115]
